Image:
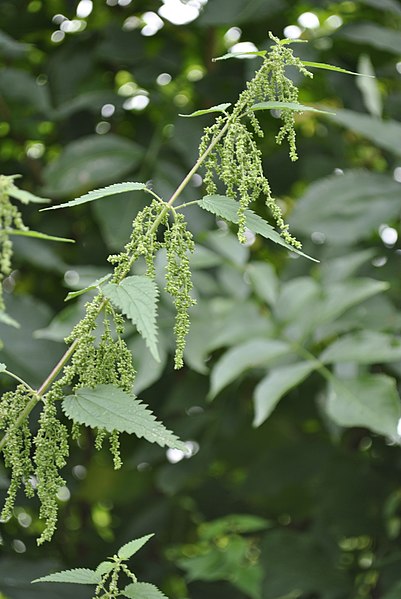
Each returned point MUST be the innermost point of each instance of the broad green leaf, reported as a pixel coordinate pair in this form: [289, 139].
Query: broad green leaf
[369, 87]
[363, 347]
[127, 550]
[76, 576]
[95, 285]
[330, 67]
[287, 106]
[6, 319]
[218, 108]
[110, 408]
[374, 35]
[98, 194]
[275, 385]
[264, 280]
[26, 197]
[240, 55]
[105, 568]
[90, 162]
[37, 235]
[137, 297]
[233, 523]
[355, 204]
[20, 89]
[371, 401]
[142, 590]
[385, 134]
[148, 369]
[227, 208]
[257, 353]
[341, 296]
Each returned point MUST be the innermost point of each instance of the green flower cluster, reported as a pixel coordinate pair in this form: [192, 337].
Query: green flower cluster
[236, 160]
[10, 218]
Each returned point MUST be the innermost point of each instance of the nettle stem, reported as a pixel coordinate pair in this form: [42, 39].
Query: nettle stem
[38, 395]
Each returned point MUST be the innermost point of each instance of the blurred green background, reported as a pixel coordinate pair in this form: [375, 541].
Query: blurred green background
[302, 500]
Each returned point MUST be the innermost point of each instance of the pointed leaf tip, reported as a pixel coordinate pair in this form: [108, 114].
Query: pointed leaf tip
[127, 550]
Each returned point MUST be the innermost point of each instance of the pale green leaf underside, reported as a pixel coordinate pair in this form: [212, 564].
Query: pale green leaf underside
[371, 401]
[26, 197]
[105, 568]
[227, 208]
[136, 297]
[240, 55]
[93, 285]
[287, 106]
[6, 319]
[251, 354]
[37, 235]
[97, 194]
[142, 590]
[218, 108]
[275, 385]
[110, 408]
[330, 67]
[363, 347]
[127, 550]
[77, 576]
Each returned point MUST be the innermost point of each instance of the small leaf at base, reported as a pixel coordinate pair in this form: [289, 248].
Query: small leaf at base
[127, 550]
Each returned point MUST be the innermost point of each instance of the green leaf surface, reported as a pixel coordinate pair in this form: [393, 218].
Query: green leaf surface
[264, 280]
[363, 347]
[371, 401]
[374, 35]
[142, 590]
[257, 353]
[37, 235]
[348, 207]
[127, 550]
[95, 285]
[89, 162]
[136, 297]
[10, 48]
[98, 194]
[227, 208]
[240, 55]
[26, 197]
[330, 67]
[76, 576]
[275, 385]
[287, 106]
[218, 108]
[6, 319]
[369, 87]
[110, 408]
[343, 295]
[105, 568]
[385, 134]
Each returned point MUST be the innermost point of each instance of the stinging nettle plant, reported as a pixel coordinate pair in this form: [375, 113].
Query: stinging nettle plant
[93, 380]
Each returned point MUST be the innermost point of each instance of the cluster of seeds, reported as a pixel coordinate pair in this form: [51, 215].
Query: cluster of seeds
[236, 160]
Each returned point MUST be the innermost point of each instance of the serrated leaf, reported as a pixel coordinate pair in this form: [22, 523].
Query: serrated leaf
[251, 354]
[105, 568]
[218, 108]
[142, 590]
[26, 197]
[76, 576]
[136, 297]
[6, 319]
[98, 194]
[127, 550]
[93, 285]
[363, 347]
[227, 208]
[37, 235]
[275, 385]
[3, 367]
[330, 67]
[110, 408]
[371, 401]
[287, 106]
[240, 55]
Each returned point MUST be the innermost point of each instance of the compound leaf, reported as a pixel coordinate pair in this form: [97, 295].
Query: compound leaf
[110, 408]
[227, 208]
[76, 576]
[142, 590]
[98, 194]
[136, 297]
[127, 550]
